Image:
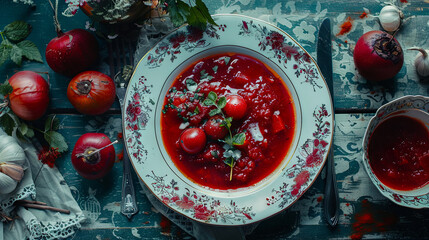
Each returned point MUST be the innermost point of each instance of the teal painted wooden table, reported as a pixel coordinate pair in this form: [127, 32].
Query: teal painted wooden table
[364, 211]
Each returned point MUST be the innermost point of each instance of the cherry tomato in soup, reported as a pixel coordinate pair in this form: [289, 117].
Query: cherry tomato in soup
[193, 140]
[235, 107]
[214, 129]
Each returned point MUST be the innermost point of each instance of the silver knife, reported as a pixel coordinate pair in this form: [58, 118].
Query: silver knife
[324, 60]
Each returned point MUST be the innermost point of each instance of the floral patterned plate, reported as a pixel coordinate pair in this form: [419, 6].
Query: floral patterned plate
[412, 106]
[155, 74]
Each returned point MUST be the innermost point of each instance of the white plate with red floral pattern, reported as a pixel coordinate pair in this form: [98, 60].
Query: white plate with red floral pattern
[303, 162]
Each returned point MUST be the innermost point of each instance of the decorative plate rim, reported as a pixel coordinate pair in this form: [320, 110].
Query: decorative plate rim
[296, 179]
[404, 102]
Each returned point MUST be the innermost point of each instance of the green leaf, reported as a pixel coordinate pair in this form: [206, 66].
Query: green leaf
[215, 112]
[205, 12]
[30, 133]
[196, 18]
[215, 154]
[197, 110]
[212, 96]
[16, 55]
[7, 123]
[52, 123]
[239, 139]
[56, 140]
[228, 140]
[178, 11]
[209, 102]
[17, 31]
[229, 161]
[30, 50]
[222, 102]
[191, 85]
[6, 89]
[5, 49]
[23, 128]
[227, 122]
[215, 69]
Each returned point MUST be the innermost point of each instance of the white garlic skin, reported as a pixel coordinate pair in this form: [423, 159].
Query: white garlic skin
[421, 62]
[7, 184]
[390, 18]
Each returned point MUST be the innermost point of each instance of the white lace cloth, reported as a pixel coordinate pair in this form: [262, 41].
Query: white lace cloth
[149, 36]
[50, 188]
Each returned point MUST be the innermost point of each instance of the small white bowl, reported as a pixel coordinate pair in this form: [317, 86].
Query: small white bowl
[416, 107]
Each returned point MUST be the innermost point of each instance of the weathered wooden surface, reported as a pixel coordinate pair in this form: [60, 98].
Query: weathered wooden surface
[354, 95]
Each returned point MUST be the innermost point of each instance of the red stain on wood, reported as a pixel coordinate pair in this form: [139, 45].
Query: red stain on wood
[346, 41]
[346, 27]
[347, 204]
[404, 1]
[319, 199]
[363, 15]
[165, 225]
[372, 219]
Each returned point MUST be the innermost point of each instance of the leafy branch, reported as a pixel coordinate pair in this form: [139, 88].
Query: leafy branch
[15, 47]
[231, 154]
[195, 13]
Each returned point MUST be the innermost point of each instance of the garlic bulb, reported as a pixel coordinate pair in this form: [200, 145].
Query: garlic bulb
[11, 151]
[14, 171]
[390, 18]
[7, 184]
[421, 62]
[12, 160]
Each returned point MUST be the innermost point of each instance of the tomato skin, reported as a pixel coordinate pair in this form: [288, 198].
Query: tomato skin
[98, 166]
[213, 128]
[235, 107]
[193, 140]
[30, 97]
[91, 92]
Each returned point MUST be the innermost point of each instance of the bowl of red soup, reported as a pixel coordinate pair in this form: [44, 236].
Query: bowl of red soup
[230, 125]
[396, 150]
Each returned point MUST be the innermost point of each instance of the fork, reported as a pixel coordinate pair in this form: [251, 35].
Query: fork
[121, 62]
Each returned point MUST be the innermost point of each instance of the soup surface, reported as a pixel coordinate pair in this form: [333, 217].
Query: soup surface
[399, 153]
[245, 119]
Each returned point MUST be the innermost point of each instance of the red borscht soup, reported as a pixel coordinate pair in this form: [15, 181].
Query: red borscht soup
[228, 121]
[398, 153]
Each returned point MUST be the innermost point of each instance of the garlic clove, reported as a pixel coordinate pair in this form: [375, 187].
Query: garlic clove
[421, 62]
[14, 171]
[7, 184]
[390, 18]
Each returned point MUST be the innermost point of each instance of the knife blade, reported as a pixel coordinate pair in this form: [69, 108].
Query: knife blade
[324, 60]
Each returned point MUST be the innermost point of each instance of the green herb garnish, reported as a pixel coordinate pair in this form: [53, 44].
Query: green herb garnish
[232, 140]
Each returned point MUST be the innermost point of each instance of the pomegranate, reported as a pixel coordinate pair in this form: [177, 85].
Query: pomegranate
[378, 56]
[30, 97]
[97, 165]
[72, 52]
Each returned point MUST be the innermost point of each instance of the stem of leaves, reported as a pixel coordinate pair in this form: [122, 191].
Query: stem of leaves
[232, 140]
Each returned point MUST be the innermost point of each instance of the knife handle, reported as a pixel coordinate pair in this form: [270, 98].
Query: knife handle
[331, 202]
